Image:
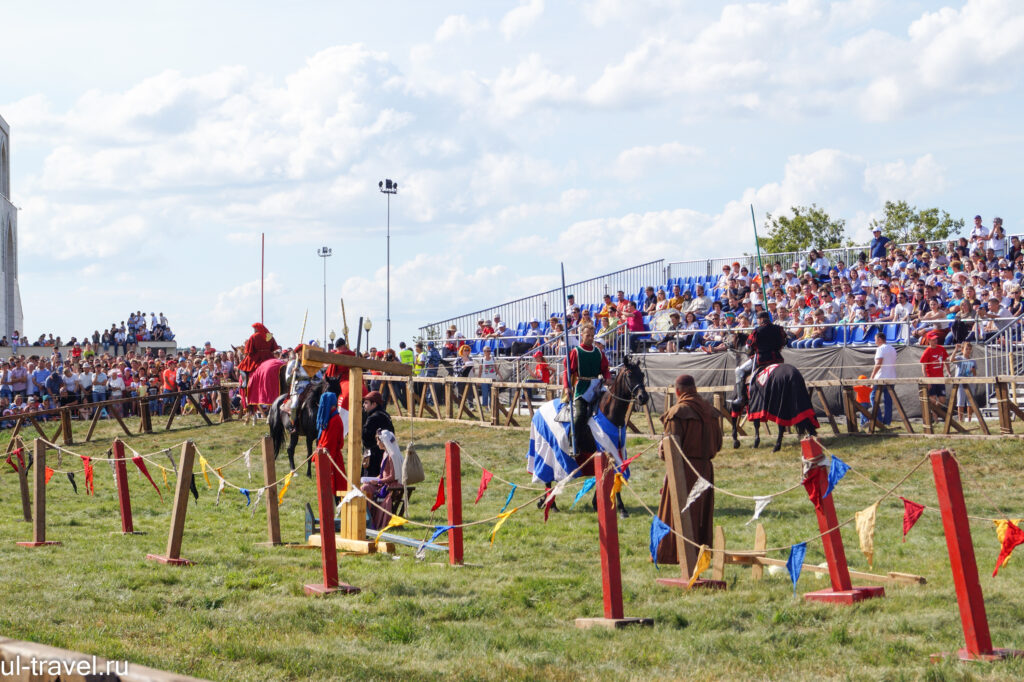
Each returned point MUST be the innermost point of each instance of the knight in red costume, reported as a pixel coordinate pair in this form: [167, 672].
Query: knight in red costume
[339, 372]
[259, 348]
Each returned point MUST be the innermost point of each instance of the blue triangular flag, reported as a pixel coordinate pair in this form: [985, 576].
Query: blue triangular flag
[588, 485]
[508, 500]
[795, 562]
[245, 491]
[836, 470]
[659, 529]
[438, 531]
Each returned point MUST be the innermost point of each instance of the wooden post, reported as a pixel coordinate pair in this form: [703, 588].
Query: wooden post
[453, 498]
[1002, 400]
[608, 536]
[65, 427]
[842, 590]
[145, 419]
[26, 504]
[328, 548]
[181, 493]
[957, 529]
[39, 501]
[225, 405]
[686, 553]
[270, 494]
[356, 509]
[124, 499]
[926, 408]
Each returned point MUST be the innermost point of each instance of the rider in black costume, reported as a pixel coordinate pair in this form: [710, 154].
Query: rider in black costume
[765, 348]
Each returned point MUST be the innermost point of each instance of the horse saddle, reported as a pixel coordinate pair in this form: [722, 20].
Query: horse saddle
[591, 396]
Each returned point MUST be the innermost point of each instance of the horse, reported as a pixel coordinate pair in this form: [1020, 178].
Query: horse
[279, 420]
[549, 457]
[263, 385]
[777, 393]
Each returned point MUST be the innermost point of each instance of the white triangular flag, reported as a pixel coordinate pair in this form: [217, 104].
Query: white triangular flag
[256, 504]
[759, 504]
[248, 463]
[696, 491]
[349, 496]
[220, 488]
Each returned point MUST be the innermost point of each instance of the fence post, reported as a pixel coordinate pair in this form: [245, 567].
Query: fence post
[124, 499]
[26, 504]
[328, 548]
[270, 494]
[957, 529]
[65, 427]
[608, 538]
[39, 501]
[181, 493]
[225, 405]
[453, 496]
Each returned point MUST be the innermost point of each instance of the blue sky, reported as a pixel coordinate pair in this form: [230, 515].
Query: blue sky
[152, 145]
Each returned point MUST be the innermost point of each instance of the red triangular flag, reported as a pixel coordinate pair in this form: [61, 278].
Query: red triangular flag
[87, 466]
[548, 505]
[911, 513]
[142, 467]
[1014, 536]
[48, 475]
[440, 495]
[485, 478]
[627, 462]
[21, 460]
[811, 484]
[13, 465]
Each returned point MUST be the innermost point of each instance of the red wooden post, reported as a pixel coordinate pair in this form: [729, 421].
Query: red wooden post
[123, 497]
[961, 558]
[608, 537]
[453, 497]
[842, 590]
[328, 549]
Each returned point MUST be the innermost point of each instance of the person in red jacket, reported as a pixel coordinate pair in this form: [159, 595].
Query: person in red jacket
[933, 363]
[259, 348]
[340, 372]
[332, 439]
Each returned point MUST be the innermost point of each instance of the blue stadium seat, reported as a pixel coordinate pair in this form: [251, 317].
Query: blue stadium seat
[894, 333]
[862, 334]
[478, 346]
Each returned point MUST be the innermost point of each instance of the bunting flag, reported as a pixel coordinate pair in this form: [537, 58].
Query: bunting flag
[256, 504]
[166, 483]
[865, 521]
[60, 457]
[48, 475]
[1013, 536]
[439, 500]
[193, 488]
[625, 465]
[659, 529]
[1001, 526]
[508, 500]
[811, 486]
[837, 468]
[421, 551]
[696, 491]
[759, 504]
[202, 465]
[395, 522]
[911, 513]
[284, 486]
[174, 467]
[617, 484]
[87, 467]
[137, 460]
[245, 491]
[485, 478]
[71, 479]
[13, 465]
[220, 488]
[703, 562]
[351, 495]
[248, 463]
[21, 460]
[501, 520]
[588, 485]
[548, 504]
[795, 562]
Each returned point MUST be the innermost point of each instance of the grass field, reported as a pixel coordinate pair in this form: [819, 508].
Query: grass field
[240, 614]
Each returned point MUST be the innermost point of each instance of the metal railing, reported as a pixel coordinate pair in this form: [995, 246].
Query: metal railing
[541, 306]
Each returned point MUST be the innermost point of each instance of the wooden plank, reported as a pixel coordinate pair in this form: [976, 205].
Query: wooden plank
[828, 411]
[718, 556]
[899, 408]
[479, 405]
[950, 407]
[675, 480]
[315, 355]
[650, 419]
[448, 407]
[124, 427]
[436, 409]
[199, 409]
[462, 401]
[629, 419]
[1003, 397]
[926, 409]
[529, 402]
[510, 416]
[175, 409]
[60, 428]
[760, 544]
[92, 424]
[752, 559]
[873, 419]
[35, 424]
[977, 410]
[851, 414]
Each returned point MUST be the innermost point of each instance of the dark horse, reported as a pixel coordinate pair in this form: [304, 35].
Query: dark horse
[280, 419]
[777, 393]
[627, 387]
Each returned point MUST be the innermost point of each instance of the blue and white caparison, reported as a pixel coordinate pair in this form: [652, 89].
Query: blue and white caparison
[550, 456]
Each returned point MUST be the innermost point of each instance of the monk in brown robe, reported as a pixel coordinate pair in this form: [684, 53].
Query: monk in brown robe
[694, 427]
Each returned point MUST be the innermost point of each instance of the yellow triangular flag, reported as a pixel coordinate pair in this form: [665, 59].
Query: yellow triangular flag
[164, 472]
[1001, 533]
[203, 464]
[703, 561]
[284, 486]
[395, 522]
[617, 484]
[865, 521]
[501, 519]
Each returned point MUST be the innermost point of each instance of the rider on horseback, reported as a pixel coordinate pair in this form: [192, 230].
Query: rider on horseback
[299, 381]
[587, 366]
[765, 348]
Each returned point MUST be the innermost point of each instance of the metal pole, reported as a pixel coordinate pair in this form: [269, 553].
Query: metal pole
[568, 376]
[389, 278]
[760, 266]
[325, 302]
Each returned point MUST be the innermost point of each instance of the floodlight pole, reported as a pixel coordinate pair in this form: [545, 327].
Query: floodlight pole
[388, 187]
[325, 252]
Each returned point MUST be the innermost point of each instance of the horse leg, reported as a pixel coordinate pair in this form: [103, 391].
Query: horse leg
[735, 439]
[623, 512]
[757, 433]
[547, 491]
[293, 440]
[309, 456]
[778, 440]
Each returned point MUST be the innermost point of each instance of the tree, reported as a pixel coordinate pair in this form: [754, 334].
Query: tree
[810, 227]
[903, 223]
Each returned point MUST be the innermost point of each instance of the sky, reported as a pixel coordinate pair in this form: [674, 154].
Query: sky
[153, 143]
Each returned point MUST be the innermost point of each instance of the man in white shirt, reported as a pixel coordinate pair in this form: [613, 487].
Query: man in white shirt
[979, 234]
[885, 368]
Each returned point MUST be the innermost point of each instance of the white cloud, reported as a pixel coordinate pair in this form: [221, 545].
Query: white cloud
[521, 18]
[528, 85]
[634, 162]
[457, 25]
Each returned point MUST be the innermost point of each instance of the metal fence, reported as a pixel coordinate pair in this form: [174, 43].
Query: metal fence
[540, 306]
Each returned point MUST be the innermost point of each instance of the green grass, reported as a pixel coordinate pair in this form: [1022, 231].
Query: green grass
[240, 614]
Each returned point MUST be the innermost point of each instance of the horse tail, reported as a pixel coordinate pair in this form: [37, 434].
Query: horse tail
[276, 424]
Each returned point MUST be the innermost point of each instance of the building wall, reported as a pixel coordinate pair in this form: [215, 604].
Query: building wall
[11, 317]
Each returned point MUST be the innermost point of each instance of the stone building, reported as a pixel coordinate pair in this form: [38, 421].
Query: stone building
[11, 317]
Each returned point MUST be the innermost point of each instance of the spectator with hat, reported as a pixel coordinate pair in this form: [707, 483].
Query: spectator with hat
[533, 338]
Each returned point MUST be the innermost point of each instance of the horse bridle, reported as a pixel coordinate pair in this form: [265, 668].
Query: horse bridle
[634, 390]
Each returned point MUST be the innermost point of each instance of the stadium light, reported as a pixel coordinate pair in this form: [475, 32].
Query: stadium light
[325, 252]
[388, 187]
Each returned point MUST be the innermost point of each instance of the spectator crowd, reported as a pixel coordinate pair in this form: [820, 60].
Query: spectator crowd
[124, 336]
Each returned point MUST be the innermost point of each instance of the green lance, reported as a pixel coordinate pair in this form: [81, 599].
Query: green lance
[760, 264]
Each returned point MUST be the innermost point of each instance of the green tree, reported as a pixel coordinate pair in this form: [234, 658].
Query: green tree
[809, 227]
[903, 223]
